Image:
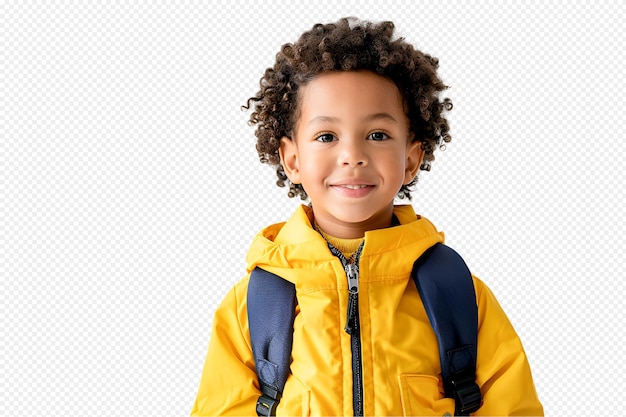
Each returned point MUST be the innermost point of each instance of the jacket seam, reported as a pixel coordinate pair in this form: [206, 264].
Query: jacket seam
[419, 241]
[318, 289]
[380, 278]
[339, 337]
[389, 278]
[372, 351]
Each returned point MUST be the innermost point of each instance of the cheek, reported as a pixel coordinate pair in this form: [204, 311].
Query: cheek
[394, 161]
[315, 160]
[314, 165]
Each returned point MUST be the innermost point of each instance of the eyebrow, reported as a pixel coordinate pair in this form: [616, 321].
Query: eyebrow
[369, 118]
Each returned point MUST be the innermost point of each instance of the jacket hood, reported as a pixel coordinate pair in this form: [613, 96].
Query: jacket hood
[287, 248]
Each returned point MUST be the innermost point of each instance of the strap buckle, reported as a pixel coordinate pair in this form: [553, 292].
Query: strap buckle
[467, 394]
[268, 401]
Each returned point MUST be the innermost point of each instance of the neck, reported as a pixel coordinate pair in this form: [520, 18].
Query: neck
[346, 246]
[353, 230]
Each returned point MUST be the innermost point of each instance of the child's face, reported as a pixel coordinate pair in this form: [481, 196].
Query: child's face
[351, 150]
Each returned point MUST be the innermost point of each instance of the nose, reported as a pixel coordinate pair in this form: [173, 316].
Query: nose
[353, 153]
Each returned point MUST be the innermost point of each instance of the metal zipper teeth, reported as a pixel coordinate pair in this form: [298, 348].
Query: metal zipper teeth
[353, 328]
[353, 325]
[357, 363]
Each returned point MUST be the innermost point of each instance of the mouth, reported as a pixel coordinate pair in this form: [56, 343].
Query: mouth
[353, 190]
[353, 187]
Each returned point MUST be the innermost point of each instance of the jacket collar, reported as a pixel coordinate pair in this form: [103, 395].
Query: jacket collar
[285, 248]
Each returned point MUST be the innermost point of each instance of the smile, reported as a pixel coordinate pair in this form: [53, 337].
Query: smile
[353, 190]
[353, 187]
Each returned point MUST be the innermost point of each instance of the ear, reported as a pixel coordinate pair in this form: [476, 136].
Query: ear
[288, 153]
[414, 156]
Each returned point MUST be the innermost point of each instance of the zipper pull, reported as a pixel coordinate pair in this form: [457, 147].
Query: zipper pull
[352, 272]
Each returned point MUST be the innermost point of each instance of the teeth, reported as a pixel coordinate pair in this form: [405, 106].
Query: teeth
[354, 187]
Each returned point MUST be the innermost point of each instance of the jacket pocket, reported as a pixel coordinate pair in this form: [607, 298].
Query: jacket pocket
[421, 396]
[296, 399]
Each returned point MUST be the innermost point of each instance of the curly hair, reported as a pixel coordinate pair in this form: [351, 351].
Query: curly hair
[349, 45]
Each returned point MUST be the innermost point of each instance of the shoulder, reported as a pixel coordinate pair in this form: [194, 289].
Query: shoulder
[231, 314]
[236, 296]
[483, 292]
[491, 315]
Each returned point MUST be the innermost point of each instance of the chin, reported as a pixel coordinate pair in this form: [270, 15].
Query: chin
[356, 218]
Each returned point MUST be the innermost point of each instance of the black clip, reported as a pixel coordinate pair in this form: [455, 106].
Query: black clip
[467, 394]
[267, 403]
[266, 406]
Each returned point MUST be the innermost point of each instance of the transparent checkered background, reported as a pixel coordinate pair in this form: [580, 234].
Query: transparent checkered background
[131, 189]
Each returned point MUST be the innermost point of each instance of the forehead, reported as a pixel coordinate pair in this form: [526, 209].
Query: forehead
[356, 84]
[350, 94]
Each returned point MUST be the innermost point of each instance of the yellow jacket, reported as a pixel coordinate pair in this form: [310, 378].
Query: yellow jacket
[399, 349]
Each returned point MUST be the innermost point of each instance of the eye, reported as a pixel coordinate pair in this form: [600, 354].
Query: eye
[378, 136]
[325, 138]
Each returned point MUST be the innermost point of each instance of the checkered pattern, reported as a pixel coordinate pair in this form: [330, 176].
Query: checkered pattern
[131, 188]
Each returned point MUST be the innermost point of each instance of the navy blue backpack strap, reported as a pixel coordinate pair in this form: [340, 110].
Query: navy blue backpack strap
[271, 311]
[447, 291]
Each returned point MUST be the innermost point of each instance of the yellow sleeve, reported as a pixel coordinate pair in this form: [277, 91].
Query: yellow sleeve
[502, 369]
[229, 382]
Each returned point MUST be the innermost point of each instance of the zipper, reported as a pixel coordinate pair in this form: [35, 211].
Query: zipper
[352, 326]
[353, 329]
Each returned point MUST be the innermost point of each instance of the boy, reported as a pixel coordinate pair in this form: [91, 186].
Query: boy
[348, 116]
